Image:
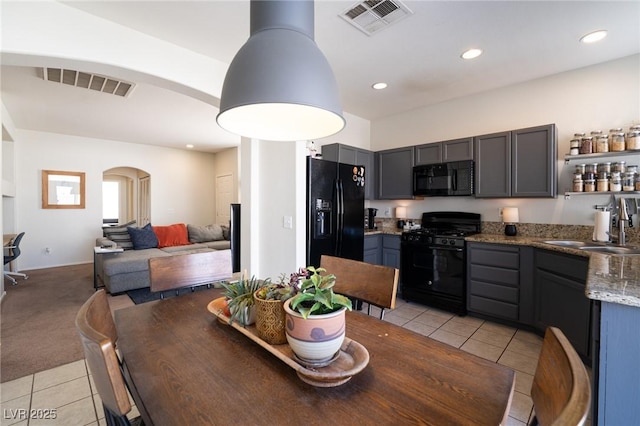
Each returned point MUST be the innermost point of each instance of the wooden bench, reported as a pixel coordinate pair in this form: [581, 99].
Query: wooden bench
[189, 270]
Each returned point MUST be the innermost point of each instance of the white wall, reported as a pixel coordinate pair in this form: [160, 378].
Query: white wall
[182, 191]
[357, 132]
[599, 97]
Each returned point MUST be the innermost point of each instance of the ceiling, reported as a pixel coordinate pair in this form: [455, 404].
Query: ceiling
[419, 58]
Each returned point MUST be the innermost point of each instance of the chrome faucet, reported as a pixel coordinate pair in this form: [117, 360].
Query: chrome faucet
[623, 216]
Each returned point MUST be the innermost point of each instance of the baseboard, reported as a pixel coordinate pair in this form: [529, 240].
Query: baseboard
[4, 293]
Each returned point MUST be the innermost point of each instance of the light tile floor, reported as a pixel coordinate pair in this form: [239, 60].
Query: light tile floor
[68, 390]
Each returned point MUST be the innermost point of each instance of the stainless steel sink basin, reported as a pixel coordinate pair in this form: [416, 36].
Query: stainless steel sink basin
[612, 249]
[594, 247]
[568, 243]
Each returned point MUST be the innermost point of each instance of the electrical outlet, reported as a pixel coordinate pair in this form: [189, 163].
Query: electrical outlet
[500, 213]
[287, 222]
[47, 250]
[387, 212]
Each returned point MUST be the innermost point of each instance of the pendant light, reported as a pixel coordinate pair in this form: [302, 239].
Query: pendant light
[279, 85]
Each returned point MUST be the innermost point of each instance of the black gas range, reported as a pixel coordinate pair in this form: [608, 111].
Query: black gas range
[433, 260]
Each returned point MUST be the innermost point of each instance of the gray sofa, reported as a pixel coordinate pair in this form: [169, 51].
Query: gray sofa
[129, 269]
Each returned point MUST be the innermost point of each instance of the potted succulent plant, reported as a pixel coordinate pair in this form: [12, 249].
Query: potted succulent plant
[240, 302]
[269, 302]
[315, 316]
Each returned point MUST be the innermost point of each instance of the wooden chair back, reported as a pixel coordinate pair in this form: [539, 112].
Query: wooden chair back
[98, 334]
[374, 284]
[561, 391]
[188, 270]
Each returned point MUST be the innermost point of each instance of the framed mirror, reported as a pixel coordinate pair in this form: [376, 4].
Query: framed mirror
[63, 190]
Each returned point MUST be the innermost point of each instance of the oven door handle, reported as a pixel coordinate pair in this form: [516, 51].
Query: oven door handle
[446, 248]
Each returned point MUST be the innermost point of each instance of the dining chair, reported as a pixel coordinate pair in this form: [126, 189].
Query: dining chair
[375, 284]
[189, 270]
[11, 253]
[561, 391]
[98, 335]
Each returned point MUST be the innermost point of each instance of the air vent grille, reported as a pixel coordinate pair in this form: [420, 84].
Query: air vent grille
[371, 16]
[88, 81]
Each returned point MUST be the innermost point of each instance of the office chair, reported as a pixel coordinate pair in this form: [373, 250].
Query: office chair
[12, 251]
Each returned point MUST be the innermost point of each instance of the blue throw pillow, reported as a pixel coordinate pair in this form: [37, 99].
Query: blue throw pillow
[143, 238]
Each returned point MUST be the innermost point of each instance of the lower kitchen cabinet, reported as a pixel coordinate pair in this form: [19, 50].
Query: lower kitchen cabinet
[560, 299]
[391, 251]
[498, 284]
[372, 249]
[618, 391]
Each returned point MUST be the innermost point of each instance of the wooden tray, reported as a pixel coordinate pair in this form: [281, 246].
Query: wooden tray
[352, 358]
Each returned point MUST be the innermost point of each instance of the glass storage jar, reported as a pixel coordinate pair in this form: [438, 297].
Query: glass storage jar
[616, 141]
[574, 147]
[578, 185]
[586, 145]
[637, 182]
[615, 183]
[602, 143]
[633, 139]
[628, 181]
[589, 185]
[581, 168]
[604, 168]
[602, 185]
[632, 168]
[619, 166]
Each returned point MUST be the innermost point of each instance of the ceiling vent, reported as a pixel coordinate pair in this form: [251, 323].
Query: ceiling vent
[372, 16]
[99, 83]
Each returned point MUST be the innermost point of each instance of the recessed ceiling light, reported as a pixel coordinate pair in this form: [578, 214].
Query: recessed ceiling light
[594, 36]
[379, 86]
[471, 53]
[189, 146]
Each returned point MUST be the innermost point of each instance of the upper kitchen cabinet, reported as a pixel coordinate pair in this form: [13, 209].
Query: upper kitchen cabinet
[352, 155]
[519, 163]
[394, 168]
[443, 152]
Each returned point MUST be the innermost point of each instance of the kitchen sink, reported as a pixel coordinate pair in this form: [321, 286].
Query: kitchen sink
[612, 249]
[595, 247]
[568, 243]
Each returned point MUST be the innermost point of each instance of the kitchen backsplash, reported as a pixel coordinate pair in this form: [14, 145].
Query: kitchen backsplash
[568, 232]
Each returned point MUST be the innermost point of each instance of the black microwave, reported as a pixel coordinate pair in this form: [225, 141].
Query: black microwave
[443, 179]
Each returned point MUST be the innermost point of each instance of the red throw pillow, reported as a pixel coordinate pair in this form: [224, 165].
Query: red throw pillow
[172, 235]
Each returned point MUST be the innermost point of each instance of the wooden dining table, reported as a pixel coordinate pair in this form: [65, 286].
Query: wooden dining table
[187, 368]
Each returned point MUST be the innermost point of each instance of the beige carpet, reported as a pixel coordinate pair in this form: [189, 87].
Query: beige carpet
[38, 320]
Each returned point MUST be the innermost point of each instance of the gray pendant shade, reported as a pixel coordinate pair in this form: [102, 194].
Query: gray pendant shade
[280, 86]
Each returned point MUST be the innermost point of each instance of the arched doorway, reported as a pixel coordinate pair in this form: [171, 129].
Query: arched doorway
[126, 196]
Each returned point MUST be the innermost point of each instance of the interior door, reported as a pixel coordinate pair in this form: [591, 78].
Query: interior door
[224, 197]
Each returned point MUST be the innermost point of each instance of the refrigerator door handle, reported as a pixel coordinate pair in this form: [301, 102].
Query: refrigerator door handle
[340, 214]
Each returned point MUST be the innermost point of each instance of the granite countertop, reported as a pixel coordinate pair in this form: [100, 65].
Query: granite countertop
[611, 278]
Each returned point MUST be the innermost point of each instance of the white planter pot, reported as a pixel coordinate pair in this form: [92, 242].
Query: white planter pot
[317, 339]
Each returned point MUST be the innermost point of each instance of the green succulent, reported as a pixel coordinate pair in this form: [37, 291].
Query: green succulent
[316, 294]
[240, 294]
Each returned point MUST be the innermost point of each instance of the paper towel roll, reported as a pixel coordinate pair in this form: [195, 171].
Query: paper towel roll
[601, 227]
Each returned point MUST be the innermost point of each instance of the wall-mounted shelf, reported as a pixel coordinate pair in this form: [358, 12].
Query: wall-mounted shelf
[568, 194]
[584, 157]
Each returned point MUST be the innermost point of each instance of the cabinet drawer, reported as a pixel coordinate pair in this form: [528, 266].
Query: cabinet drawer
[493, 307]
[494, 291]
[372, 242]
[391, 242]
[508, 258]
[570, 266]
[494, 275]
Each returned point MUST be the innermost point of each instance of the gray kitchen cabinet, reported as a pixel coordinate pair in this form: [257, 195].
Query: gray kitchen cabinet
[351, 155]
[391, 250]
[518, 163]
[617, 372]
[373, 249]
[442, 152]
[394, 169]
[560, 300]
[498, 284]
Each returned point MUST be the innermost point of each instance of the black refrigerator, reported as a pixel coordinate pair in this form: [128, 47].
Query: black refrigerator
[335, 210]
